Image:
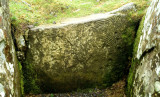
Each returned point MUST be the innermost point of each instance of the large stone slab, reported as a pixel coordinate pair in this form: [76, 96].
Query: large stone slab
[87, 52]
[9, 70]
[144, 78]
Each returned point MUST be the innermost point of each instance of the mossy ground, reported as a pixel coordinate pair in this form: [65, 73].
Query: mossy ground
[38, 12]
[116, 90]
[30, 79]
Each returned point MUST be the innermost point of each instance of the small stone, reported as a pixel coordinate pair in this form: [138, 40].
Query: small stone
[98, 0]
[51, 13]
[67, 7]
[1, 35]
[2, 92]
[21, 43]
[0, 19]
[20, 56]
[157, 86]
[159, 28]
[36, 24]
[30, 26]
[54, 22]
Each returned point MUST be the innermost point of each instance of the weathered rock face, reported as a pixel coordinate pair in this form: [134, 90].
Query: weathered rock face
[144, 76]
[79, 54]
[9, 72]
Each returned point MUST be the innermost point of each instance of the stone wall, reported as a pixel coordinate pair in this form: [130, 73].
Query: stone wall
[144, 77]
[84, 53]
[9, 72]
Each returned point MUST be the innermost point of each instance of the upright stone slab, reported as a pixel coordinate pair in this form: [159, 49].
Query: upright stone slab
[144, 78]
[9, 73]
[87, 52]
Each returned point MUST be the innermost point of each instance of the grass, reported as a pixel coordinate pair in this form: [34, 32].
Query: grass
[39, 12]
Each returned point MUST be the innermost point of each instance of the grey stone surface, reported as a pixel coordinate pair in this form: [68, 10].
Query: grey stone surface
[157, 86]
[88, 52]
[20, 41]
[147, 68]
[126, 8]
[9, 73]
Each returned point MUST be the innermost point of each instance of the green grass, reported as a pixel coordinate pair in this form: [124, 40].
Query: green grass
[48, 11]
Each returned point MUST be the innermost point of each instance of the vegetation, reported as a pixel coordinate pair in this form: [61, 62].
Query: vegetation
[38, 12]
[29, 79]
[134, 61]
[21, 78]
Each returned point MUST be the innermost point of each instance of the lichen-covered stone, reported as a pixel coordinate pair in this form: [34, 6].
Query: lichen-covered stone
[157, 86]
[146, 73]
[126, 8]
[85, 53]
[20, 41]
[9, 73]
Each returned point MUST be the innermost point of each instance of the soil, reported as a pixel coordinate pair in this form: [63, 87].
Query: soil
[116, 90]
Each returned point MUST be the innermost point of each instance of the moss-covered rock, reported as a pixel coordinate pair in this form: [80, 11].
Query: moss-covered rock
[134, 60]
[143, 80]
[30, 79]
[85, 53]
[9, 69]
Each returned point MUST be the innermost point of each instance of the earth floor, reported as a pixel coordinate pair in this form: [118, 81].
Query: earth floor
[116, 90]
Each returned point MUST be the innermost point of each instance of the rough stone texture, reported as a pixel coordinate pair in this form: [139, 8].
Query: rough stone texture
[9, 75]
[80, 54]
[147, 68]
[125, 9]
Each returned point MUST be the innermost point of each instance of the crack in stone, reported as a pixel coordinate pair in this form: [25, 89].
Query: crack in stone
[146, 52]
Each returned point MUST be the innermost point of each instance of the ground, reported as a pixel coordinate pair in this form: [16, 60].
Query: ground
[116, 90]
[37, 12]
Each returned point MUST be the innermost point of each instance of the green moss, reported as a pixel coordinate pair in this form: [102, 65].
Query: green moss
[30, 79]
[116, 75]
[130, 35]
[130, 79]
[139, 32]
[125, 56]
[51, 95]
[21, 78]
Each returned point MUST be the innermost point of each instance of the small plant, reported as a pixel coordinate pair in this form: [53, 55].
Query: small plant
[51, 95]
[13, 18]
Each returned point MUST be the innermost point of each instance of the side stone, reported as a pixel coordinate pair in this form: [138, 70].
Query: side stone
[84, 53]
[9, 72]
[144, 75]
